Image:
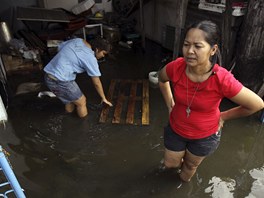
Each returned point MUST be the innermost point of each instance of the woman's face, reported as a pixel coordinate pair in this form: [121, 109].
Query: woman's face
[196, 50]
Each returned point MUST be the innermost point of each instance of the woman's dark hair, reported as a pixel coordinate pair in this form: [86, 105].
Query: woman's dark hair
[212, 36]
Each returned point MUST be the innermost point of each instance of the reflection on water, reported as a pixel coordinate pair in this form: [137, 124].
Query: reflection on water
[219, 188]
[51, 129]
[57, 156]
[246, 178]
[257, 189]
[64, 156]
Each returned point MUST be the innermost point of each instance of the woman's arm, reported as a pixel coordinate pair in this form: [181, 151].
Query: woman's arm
[165, 89]
[249, 103]
[99, 88]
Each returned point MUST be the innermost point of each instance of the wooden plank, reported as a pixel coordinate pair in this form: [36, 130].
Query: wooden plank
[143, 34]
[106, 108]
[119, 104]
[131, 103]
[125, 94]
[41, 14]
[145, 103]
[181, 8]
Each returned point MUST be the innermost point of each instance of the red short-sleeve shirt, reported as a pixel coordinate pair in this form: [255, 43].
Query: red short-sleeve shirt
[204, 117]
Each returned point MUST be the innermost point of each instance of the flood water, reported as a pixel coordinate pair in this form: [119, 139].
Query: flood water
[55, 155]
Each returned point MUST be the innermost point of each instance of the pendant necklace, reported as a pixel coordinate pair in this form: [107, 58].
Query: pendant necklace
[188, 109]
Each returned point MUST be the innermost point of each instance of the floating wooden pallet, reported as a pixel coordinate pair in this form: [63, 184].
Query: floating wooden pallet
[130, 99]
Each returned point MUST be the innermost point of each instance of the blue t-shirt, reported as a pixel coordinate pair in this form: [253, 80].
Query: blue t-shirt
[74, 57]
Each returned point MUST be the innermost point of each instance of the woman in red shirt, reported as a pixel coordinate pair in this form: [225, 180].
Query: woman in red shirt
[198, 86]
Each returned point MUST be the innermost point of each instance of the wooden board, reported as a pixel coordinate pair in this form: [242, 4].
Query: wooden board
[15, 64]
[130, 99]
[41, 14]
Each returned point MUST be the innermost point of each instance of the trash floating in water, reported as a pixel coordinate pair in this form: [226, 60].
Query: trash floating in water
[46, 93]
[28, 87]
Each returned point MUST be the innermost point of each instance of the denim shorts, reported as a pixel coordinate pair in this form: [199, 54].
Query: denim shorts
[66, 91]
[198, 147]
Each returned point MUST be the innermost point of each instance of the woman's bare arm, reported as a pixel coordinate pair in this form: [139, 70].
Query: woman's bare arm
[165, 88]
[249, 103]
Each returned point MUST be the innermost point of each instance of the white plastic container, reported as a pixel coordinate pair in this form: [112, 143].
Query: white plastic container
[153, 79]
[83, 6]
[3, 114]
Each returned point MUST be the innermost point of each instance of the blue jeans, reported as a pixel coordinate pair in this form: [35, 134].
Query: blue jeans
[66, 91]
[198, 147]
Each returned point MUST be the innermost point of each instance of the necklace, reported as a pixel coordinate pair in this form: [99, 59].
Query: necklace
[188, 109]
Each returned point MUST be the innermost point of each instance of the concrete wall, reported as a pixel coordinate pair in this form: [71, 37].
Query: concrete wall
[157, 15]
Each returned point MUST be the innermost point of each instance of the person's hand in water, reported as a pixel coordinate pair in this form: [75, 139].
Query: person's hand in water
[107, 102]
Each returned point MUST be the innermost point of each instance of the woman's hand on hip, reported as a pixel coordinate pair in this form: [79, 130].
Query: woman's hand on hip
[221, 123]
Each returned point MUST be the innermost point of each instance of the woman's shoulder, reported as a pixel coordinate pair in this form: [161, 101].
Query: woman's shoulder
[177, 63]
[223, 75]
[175, 68]
[220, 71]
[230, 86]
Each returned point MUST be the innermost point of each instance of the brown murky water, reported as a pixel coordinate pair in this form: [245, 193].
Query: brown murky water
[58, 155]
